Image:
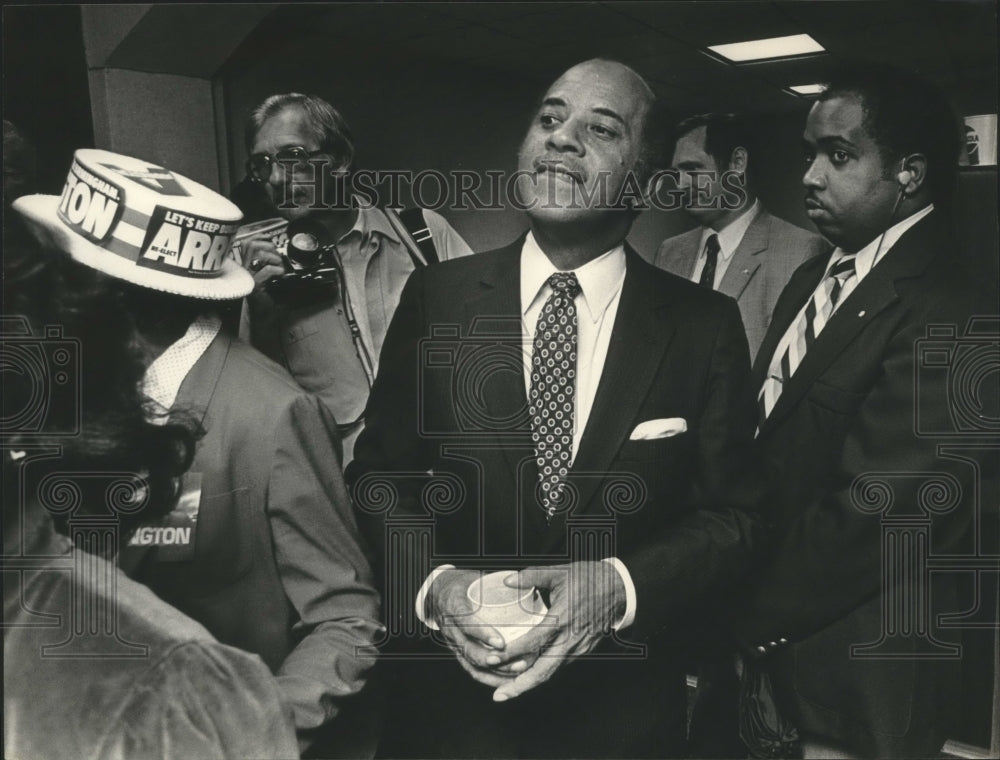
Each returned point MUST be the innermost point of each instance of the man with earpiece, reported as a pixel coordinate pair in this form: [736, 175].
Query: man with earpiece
[853, 409]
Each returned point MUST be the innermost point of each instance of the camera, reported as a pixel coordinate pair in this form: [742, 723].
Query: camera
[312, 268]
[457, 370]
[960, 373]
[41, 381]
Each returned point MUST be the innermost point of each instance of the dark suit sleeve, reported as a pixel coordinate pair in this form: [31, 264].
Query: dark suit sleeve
[323, 571]
[829, 559]
[715, 544]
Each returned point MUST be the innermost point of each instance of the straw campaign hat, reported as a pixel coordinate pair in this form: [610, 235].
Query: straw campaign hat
[144, 224]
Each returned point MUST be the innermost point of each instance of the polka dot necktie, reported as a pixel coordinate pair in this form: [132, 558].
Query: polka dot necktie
[553, 384]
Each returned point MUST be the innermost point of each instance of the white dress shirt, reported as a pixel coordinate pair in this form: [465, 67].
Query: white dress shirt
[730, 238]
[596, 308]
[600, 282]
[164, 376]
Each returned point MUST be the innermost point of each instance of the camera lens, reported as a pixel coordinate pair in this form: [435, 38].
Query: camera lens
[305, 243]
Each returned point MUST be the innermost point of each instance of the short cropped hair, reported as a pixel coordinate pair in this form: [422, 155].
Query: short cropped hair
[904, 114]
[328, 127]
[724, 133]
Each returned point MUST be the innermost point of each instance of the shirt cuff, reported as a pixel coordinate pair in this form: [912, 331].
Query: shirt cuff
[422, 595]
[630, 601]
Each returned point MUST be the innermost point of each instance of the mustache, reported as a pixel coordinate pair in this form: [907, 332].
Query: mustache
[559, 166]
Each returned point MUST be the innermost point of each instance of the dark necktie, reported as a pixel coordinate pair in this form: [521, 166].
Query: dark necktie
[805, 329]
[553, 386]
[711, 260]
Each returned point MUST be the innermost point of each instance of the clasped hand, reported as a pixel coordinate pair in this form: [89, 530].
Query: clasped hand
[586, 599]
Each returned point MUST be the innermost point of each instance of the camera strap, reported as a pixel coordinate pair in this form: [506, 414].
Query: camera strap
[412, 229]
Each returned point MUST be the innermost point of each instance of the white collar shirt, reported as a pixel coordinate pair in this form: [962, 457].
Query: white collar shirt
[601, 282]
[163, 378]
[730, 238]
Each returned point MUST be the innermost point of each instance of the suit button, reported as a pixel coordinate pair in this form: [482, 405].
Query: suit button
[761, 650]
[782, 641]
[773, 644]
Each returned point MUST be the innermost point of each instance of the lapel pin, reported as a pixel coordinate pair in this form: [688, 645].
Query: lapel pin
[861, 313]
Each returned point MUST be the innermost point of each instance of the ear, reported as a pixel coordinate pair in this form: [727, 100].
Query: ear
[916, 166]
[739, 160]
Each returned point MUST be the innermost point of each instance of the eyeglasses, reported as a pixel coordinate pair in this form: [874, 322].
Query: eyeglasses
[259, 164]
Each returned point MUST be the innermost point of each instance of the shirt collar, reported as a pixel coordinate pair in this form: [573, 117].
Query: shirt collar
[866, 256]
[732, 234]
[600, 279]
[370, 220]
[164, 376]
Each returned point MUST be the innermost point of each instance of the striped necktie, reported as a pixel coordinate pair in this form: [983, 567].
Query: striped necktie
[804, 331]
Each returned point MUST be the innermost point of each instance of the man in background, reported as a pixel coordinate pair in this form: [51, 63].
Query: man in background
[300, 146]
[738, 247]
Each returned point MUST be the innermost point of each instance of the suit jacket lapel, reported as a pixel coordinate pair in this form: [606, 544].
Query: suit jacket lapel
[684, 254]
[641, 333]
[198, 387]
[745, 262]
[193, 398]
[800, 287]
[908, 258]
[495, 307]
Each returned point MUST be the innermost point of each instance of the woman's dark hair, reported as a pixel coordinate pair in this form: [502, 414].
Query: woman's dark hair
[101, 426]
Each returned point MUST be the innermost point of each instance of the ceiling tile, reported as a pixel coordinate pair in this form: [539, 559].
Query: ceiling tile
[582, 24]
[712, 23]
[471, 42]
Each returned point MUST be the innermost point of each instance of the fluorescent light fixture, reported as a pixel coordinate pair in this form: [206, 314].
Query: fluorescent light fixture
[773, 47]
[807, 89]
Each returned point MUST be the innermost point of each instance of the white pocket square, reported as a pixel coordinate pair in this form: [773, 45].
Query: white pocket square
[650, 430]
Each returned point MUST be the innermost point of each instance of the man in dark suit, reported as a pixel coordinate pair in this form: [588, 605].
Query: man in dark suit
[551, 408]
[738, 248]
[855, 418]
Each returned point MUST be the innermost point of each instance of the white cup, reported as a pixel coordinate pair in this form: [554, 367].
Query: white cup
[511, 610]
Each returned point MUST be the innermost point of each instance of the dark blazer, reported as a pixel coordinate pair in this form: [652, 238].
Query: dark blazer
[760, 268]
[277, 568]
[447, 446]
[856, 452]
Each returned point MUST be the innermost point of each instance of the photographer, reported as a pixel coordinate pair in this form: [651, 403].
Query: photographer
[328, 333]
